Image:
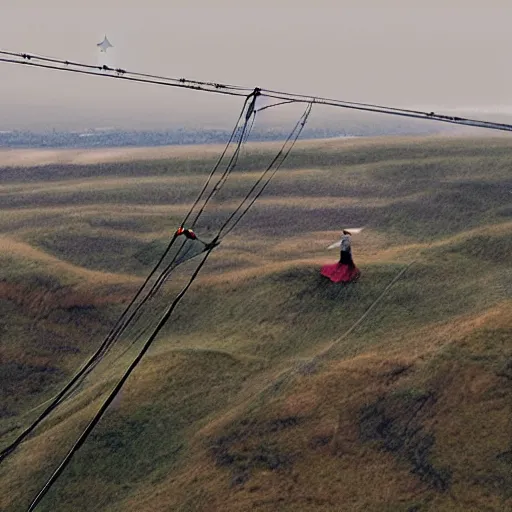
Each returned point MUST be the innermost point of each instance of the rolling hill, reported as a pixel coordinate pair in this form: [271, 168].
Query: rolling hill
[270, 388]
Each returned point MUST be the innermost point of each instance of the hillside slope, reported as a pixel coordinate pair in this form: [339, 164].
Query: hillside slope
[270, 388]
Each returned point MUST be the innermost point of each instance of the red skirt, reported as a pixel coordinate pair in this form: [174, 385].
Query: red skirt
[341, 273]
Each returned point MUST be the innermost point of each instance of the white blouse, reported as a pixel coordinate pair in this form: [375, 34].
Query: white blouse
[345, 243]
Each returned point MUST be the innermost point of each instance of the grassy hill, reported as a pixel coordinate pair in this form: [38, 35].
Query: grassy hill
[270, 388]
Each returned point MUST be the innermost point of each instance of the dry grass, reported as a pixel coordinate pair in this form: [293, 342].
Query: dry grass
[13, 248]
[227, 411]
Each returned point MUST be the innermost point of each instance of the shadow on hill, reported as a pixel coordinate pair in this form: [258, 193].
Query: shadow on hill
[394, 423]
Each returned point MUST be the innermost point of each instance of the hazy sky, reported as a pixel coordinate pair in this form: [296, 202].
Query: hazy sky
[447, 55]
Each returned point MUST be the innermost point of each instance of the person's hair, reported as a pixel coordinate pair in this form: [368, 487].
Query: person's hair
[345, 232]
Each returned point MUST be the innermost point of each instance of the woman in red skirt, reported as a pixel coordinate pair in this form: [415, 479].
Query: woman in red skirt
[345, 270]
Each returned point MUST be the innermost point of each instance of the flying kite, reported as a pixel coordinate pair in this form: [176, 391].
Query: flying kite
[105, 45]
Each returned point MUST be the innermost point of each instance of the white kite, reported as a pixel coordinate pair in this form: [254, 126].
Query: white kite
[105, 45]
[351, 231]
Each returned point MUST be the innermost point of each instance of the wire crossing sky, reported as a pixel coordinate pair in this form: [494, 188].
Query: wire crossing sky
[451, 57]
[33, 60]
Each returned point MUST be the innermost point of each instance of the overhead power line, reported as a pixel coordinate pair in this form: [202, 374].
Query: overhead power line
[146, 290]
[241, 210]
[34, 60]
